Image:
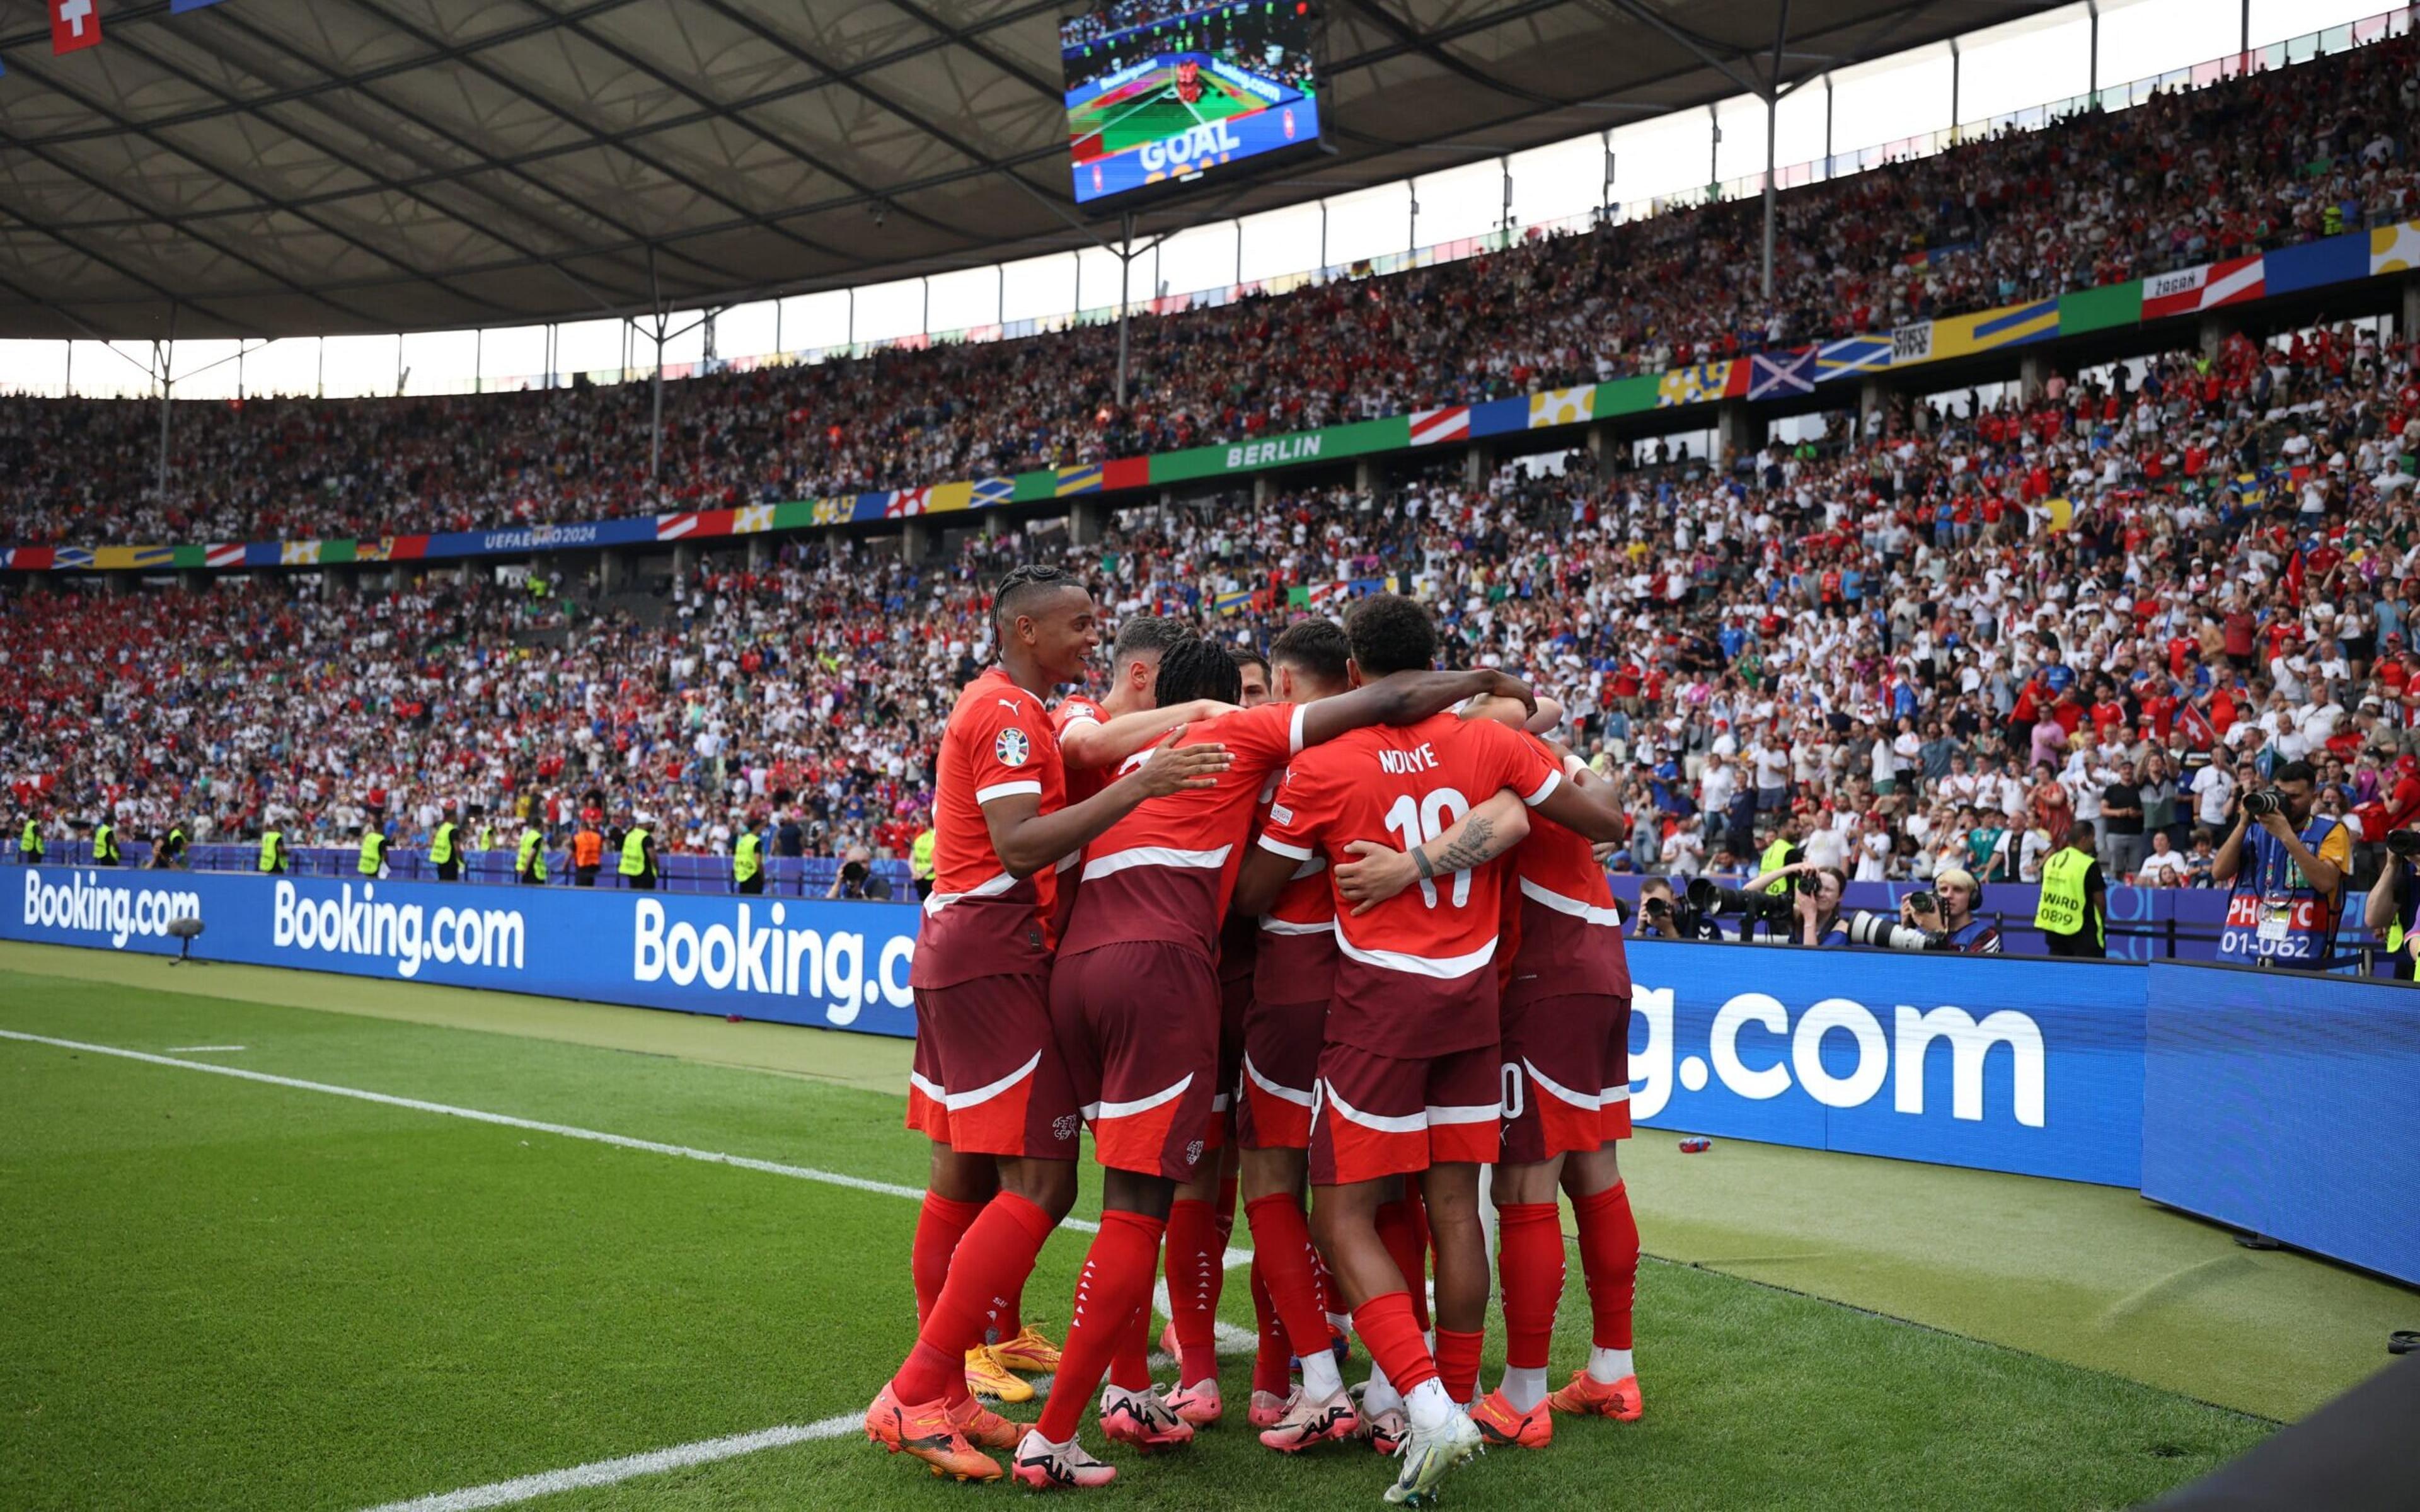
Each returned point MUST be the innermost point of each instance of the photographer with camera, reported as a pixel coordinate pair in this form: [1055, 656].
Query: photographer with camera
[1663, 917]
[2394, 905]
[1818, 907]
[2286, 872]
[1947, 915]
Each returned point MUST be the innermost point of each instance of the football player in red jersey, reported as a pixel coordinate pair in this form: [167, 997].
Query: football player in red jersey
[1566, 1047]
[988, 1086]
[1409, 1074]
[1203, 1217]
[1095, 735]
[1135, 1003]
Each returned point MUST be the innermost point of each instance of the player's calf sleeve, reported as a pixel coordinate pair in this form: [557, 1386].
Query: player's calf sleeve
[992, 1260]
[1530, 1261]
[939, 1227]
[1111, 1289]
[1195, 1267]
[1405, 1236]
[1269, 1368]
[1457, 1361]
[1282, 1240]
[1386, 1326]
[1609, 1261]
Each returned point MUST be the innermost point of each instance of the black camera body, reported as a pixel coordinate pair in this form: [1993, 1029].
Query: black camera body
[1924, 903]
[2404, 843]
[1774, 910]
[2262, 802]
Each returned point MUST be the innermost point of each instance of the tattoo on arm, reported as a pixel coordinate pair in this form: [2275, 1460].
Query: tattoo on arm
[1471, 848]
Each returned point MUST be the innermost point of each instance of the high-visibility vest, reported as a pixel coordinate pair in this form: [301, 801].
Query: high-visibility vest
[269, 843]
[1776, 855]
[440, 845]
[176, 840]
[587, 848]
[2064, 908]
[487, 837]
[634, 852]
[745, 862]
[532, 860]
[30, 843]
[536, 586]
[920, 857]
[373, 851]
[104, 844]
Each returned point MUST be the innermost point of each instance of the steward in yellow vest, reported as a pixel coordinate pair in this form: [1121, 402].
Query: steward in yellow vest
[2073, 911]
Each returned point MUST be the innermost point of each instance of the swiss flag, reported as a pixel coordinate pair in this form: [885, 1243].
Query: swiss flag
[75, 24]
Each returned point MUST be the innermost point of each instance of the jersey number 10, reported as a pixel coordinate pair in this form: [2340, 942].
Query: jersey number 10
[1417, 822]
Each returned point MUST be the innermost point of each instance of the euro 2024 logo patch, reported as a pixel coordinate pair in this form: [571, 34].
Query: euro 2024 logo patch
[1012, 747]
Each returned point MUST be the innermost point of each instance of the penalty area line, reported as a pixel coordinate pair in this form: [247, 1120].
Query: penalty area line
[611, 1472]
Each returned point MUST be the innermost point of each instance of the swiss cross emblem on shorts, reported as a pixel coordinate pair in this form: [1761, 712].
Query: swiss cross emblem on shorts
[1012, 747]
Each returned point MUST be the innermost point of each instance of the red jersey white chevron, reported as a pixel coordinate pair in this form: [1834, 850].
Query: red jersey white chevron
[673, 527]
[227, 555]
[2207, 287]
[1450, 424]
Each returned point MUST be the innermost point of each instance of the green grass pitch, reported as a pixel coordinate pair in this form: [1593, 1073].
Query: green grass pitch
[232, 1293]
[1105, 128]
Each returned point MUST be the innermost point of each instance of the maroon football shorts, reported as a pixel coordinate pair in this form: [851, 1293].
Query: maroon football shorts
[1281, 1043]
[1137, 1026]
[1234, 1004]
[987, 1078]
[1377, 1116]
[1566, 1075]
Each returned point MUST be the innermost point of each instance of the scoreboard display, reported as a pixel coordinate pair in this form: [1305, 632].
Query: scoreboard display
[1164, 95]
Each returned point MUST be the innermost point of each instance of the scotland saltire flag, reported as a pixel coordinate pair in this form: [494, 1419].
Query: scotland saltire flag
[1781, 375]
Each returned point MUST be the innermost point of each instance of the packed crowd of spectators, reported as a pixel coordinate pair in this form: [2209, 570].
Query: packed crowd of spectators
[1932, 638]
[2184, 179]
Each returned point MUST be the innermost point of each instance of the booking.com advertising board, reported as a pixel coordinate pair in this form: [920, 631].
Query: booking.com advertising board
[2031, 1067]
[833, 965]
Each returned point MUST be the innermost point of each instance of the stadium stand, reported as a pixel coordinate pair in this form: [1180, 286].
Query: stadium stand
[2256, 163]
[1932, 646]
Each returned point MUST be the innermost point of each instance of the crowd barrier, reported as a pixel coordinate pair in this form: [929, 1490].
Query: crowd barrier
[2247, 1083]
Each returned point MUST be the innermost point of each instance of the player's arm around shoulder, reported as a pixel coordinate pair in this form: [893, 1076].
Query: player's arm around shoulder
[1295, 831]
[1405, 697]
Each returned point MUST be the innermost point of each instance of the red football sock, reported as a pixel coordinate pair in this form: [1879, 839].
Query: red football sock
[1113, 1286]
[939, 1228]
[1457, 1362]
[1331, 1296]
[1222, 1234]
[1406, 1238]
[1609, 1260]
[1282, 1240]
[1270, 1372]
[1130, 1367]
[1386, 1326]
[1194, 1255]
[992, 1260]
[1009, 1321]
[1530, 1263]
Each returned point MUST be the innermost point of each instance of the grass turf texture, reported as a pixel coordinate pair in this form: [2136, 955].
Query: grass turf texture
[1150, 112]
[225, 1293]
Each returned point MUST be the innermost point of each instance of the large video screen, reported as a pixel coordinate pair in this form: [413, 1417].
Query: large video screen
[1159, 93]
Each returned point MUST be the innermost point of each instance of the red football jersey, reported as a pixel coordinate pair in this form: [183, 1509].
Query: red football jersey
[1568, 938]
[1166, 870]
[1296, 958]
[1076, 709]
[1414, 980]
[980, 921]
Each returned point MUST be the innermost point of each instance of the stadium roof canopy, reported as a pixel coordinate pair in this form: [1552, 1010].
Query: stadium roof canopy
[370, 165]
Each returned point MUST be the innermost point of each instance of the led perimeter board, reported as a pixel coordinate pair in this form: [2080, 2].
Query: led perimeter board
[1161, 94]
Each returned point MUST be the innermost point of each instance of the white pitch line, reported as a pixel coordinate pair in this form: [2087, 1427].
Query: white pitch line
[200, 1049]
[713, 1157]
[609, 1472]
[603, 1472]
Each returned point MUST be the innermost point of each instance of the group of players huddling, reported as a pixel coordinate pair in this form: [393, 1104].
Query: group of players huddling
[1422, 976]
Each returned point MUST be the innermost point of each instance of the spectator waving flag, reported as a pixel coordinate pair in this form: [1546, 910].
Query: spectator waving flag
[75, 24]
